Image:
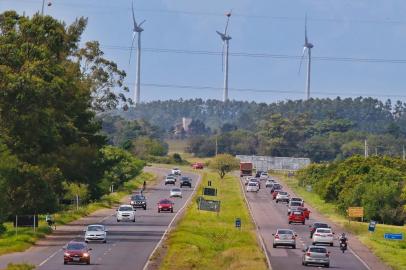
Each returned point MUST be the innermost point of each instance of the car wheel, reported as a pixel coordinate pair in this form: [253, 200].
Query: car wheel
[304, 263]
[145, 208]
[134, 220]
[290, 222]
[327, 265]
[86, 241]
[88, 262]
[65, 262]
[171, 210]
[274, 246]
[118, 220]
[331, 244]
[159, 211]
[276, 201]
[105, 241]
[314, 243]
[294, 246]
[303, 223]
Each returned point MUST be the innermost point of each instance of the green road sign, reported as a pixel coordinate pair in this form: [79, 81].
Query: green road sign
[210, 191]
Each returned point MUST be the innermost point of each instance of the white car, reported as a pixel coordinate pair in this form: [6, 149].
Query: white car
[176, 192]
[323, 236]
[269, 182]
[282, 196]
[125, 213]
[95, 232]
[252, 187]
[263, 176]
[170, 180]
[176, 171]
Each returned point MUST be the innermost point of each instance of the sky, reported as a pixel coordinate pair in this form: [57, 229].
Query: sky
[358, 45]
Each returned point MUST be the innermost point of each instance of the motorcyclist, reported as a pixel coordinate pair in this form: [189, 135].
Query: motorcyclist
[50, 220]
[343, 241]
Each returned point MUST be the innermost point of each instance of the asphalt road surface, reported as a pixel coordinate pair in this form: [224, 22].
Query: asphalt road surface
[271, 216]
[128, 246]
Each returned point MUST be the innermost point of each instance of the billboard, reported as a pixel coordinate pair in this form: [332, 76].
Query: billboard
[266, 163]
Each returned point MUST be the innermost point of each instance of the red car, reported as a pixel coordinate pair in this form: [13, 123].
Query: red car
[165, 205]
[77, 252]
[297, 217]
[305, 211]
[197, 165]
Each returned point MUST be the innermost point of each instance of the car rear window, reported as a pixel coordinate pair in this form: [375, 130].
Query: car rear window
[297, 213]
[295, 203]
[252, 184]
[318, 250]
[277, 186]
[320, 225]
[285, 232]
[296, 199]
[165, 201]
[125, 208]
[176, 189]
[323, 230]
[137, 197]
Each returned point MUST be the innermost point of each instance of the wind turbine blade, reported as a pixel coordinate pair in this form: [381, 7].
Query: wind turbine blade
[132, 9]
[142, 23]
[301, 59]
[132, 46]
[306, 40]
[228, 20]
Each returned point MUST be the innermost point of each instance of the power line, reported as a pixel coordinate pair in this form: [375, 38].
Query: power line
[261, 55]
[202, 87]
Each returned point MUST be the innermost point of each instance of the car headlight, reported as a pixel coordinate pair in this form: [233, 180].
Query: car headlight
[85, 254]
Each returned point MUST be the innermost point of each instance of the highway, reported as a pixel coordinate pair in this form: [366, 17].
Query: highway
[270, 216]
[128, 246]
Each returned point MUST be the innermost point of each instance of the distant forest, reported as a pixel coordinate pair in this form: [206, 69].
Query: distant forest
[322, 129]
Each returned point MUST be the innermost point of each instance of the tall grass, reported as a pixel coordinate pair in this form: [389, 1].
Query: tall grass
[205, 240]
[392, 252]
[26, 237]
[24, 266]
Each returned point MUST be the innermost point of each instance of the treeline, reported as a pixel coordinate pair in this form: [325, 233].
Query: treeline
[366, 114]
[50, 92]
[376, 183]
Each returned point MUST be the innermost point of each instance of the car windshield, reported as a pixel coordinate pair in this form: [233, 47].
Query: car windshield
[165, 201]
[94, 228]
[125, 208]
[137, 198]
[318, 250]
[323, 230]
[285, 232]
[75, 246]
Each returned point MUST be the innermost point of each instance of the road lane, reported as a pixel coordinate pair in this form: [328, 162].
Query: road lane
[129, 244]
[271, 216]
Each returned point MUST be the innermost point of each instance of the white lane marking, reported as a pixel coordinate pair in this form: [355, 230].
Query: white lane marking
[103, 219]
[50, 257]
[173, 219]
[261, 240]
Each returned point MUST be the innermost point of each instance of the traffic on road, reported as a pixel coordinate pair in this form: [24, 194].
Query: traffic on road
[293, 238]
[120, 238]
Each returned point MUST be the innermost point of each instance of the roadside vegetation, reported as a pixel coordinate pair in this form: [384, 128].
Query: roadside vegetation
[205, 240]
[10, 242]
[12, 266]
[391, 252]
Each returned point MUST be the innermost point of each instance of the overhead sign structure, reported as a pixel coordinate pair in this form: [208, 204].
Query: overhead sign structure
[209, 205]
[355, 212]
[210, 191]
[393, 236]
[372, 225]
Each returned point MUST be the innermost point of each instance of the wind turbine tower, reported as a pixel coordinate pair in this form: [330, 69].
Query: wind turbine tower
[137, 30]
[226, 40]
[307, 47]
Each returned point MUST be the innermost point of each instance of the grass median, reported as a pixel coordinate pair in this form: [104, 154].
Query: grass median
[392, 252]
[26, 237]
[205, 240]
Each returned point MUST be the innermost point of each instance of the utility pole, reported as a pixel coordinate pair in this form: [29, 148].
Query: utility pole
[403, 152]
[366, 149]
[216, 146]
[77, 202]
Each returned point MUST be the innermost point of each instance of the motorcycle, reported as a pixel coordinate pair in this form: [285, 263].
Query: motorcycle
[343, 245]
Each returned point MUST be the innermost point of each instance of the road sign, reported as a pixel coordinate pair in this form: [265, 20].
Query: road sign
[393, 236]
[210, 191]
[209, 205]
[26, 221]
[372, 225]
[238, 222]
[355, 212]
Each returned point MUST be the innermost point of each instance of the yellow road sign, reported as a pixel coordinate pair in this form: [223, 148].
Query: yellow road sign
[355, 211]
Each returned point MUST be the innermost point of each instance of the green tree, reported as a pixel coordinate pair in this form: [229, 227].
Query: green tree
[224, 164]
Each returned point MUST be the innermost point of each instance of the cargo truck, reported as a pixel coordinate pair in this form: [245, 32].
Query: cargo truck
[246, 169]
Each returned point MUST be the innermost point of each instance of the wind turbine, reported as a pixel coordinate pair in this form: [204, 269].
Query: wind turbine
[307, 47]
[137, 30]
[225, 38]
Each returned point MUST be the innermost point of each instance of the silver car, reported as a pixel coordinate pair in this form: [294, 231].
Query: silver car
[316, 255]
[284, 237]
[282, 196]
[96, 232]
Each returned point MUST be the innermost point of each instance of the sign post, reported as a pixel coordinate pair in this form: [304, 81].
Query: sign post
[372, 225]
[238, 223]
[209, 183]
